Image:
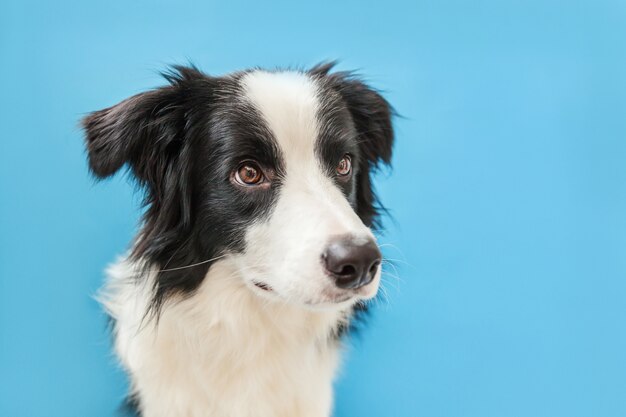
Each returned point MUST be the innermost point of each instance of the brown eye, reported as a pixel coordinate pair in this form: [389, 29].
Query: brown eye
[344, 167]
[249, 173]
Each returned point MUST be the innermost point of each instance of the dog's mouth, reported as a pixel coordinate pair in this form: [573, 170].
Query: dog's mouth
[263, 286]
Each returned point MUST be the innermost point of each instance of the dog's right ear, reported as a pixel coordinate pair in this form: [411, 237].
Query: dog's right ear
[154, 134]
[144, 131]
[114, 135]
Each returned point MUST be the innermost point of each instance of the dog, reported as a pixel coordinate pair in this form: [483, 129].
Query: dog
[256, 249]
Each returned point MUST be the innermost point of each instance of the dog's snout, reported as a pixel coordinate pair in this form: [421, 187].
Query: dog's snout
[352, 263]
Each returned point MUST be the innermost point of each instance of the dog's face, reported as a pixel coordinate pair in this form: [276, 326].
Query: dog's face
[269, 169]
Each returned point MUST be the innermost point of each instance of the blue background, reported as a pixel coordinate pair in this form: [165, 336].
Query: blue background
[508, 193]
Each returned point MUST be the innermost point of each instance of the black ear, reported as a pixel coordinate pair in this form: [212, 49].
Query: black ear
[153, 134]
[129, 131]
[142, 131]
[371, 115]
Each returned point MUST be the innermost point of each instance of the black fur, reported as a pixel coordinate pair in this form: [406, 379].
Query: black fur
[181, 143]
[371, 116]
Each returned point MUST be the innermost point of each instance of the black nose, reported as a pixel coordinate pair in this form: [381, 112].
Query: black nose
[352, 263]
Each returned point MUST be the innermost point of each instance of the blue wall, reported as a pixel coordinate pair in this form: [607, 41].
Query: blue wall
[508, 194]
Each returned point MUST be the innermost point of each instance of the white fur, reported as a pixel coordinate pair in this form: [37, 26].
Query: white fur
[310, 210]
[224, 351]
[232, 349]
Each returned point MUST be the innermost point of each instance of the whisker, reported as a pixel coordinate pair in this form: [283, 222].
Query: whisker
[392, 260]
[384, 299]
[396, 275]
[188, 266]
[394, 284]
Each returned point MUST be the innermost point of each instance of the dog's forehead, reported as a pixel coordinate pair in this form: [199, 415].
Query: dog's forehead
[289, 103]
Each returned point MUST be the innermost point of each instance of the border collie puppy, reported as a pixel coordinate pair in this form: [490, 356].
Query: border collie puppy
[255, 250]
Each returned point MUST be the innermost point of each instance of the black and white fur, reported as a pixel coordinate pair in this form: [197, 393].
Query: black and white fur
[222, 306]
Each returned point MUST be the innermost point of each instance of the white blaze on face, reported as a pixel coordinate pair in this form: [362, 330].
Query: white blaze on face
[285, 250]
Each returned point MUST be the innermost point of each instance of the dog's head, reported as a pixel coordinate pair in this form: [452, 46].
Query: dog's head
[270, 169]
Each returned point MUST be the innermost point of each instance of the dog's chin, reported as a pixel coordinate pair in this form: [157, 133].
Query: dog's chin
[328, 299]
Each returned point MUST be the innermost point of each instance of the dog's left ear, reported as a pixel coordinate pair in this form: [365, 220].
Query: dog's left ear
[371, 115]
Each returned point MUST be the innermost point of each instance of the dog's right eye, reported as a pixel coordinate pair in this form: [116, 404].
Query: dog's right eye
[249, 174]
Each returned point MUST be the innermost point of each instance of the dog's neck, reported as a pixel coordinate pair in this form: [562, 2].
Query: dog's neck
[224, 351]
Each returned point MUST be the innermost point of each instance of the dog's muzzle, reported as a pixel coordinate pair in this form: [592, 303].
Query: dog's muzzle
[351, 262]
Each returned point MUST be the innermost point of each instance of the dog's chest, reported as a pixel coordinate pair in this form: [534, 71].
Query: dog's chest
[223, 353]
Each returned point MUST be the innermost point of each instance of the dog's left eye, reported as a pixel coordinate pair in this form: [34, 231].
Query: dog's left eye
[344, 167]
